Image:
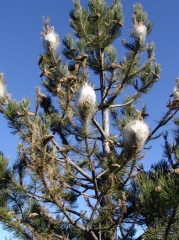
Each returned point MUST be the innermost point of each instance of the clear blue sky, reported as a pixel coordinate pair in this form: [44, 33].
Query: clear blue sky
[20, 45]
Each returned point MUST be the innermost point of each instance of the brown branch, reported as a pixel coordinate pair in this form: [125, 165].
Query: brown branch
[80, 193]
[122, 105]
[168, 116]
[60, 204]
[91, 167]
[140, 70]
[81, 215]
[94, 210]
[123, 82]
[99, 128]
[72, 163]
[79, 169]
[102, 173]
[171, 221]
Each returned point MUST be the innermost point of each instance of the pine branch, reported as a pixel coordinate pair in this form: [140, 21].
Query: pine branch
[81, 193]
[166, 118]
[124, 104]
[124, 79]
[91, 167]
[171, 220]
[95, 208]
[67, 159]
[103, 134]
[60, 204]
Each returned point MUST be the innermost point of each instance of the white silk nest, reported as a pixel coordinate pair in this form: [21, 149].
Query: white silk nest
[140, 31]
[176, 92]
[85, 100]
[2, 86]
[51, 39]
[135, 134]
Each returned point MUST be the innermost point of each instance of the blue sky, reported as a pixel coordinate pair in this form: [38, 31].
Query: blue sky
[20, 44]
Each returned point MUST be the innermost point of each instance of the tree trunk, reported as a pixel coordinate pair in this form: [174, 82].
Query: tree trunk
[107, 198]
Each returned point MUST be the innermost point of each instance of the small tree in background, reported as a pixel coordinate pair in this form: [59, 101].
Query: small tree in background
[78, 174]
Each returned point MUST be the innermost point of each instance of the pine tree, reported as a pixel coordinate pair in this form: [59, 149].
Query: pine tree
[79, 174]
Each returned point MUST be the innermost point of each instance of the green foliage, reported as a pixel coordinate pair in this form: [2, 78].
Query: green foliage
[100, 25]
[159, 192]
